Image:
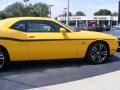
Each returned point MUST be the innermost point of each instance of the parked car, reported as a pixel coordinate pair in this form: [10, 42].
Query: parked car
[116, 32]
[80, 27]
[83, 27]
[75, 29]
[35, 38]
[95, 28]
[105, 27]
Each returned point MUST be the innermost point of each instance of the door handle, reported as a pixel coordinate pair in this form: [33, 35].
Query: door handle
[31, 36]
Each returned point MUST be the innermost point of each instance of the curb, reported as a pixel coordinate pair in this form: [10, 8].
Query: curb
[109, 81]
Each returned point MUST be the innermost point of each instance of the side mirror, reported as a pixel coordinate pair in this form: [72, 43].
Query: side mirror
[62, 30]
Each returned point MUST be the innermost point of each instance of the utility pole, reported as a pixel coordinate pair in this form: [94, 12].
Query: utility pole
[119, 14]
[50, 10]
[68, 2]
[65, 14]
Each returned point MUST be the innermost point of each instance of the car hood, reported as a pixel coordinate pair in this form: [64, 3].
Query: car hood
[93, 35]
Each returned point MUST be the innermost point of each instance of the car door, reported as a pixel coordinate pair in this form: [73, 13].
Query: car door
[17, 41]
[46, 42]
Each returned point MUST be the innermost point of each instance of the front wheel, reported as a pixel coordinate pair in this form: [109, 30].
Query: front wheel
[97, 53]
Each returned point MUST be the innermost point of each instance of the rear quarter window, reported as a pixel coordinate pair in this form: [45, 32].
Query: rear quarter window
[21, 26]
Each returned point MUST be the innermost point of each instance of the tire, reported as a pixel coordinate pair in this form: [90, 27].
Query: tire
[97, 53]
[4, 59]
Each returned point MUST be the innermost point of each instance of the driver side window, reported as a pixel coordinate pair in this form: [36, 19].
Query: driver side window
[42, 26]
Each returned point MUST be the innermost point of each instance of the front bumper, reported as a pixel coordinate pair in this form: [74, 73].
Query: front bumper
[119, 44]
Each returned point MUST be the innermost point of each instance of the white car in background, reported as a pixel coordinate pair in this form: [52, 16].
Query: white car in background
[116, 32]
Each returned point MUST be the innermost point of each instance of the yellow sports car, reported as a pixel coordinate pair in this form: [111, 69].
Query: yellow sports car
[32, 38]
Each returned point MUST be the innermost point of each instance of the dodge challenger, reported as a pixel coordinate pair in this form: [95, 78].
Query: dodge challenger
[38, 38]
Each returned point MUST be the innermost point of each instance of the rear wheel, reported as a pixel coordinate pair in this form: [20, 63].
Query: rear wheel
[97, 53]
[3, 59]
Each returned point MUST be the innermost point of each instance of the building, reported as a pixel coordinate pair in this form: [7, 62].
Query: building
[93, 20]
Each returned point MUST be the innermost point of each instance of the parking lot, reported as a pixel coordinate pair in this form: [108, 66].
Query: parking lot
[27, 75]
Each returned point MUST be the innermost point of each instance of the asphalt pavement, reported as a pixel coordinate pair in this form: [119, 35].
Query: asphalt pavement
[28, 75]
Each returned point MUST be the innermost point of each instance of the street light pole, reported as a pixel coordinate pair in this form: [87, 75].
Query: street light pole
[67, 23]
[65, 13]
[50, 11]
[26, 1]
[111, 20]
[119, 13]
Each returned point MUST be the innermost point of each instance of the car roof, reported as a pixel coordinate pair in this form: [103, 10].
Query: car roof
[28, 18]
[6, 23]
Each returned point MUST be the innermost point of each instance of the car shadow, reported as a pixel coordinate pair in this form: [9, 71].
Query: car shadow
[34, 66]
[44, 73]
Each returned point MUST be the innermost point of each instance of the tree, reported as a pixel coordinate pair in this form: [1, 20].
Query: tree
[102, 12]
[28, 11]
[41, 9]
[20, 10]
[79, 13]
[114, 14]
[70, 14]
[2, 15]
[65, 14]
[15, 10]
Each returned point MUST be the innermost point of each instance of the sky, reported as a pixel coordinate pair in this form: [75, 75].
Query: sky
[87, 6]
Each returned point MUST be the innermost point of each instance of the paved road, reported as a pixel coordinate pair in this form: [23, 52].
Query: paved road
[21, 76]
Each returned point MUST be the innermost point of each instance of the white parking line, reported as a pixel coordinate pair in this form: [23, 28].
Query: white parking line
[110, 81]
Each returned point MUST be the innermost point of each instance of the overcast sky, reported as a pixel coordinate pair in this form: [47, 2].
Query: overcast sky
[87, 6]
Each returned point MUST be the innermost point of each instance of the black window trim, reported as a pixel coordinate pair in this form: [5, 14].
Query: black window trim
[26, 26]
